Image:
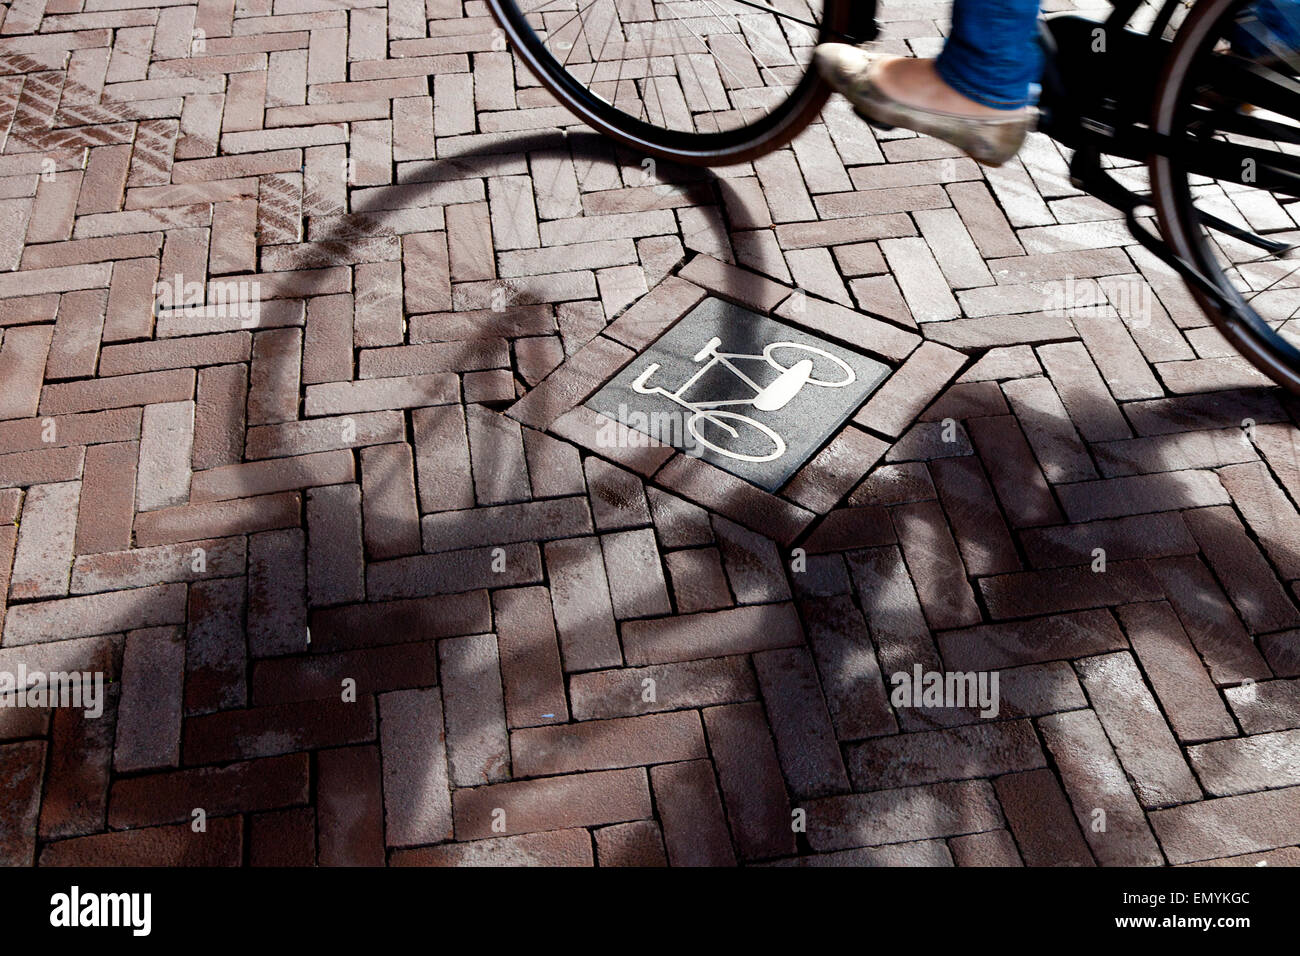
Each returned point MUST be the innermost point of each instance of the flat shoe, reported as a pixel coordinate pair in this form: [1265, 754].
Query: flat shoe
[989, 140]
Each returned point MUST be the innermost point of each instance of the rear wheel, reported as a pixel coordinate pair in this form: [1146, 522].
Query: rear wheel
[1230, 100]
[705, 82]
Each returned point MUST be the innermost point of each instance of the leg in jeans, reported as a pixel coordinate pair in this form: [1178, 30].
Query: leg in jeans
[975, 95]
[992, 54]
[1269, 29]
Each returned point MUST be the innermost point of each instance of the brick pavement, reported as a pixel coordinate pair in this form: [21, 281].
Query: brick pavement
[369, 588]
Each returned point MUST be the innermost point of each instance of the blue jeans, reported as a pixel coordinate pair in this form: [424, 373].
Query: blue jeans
[992, 53]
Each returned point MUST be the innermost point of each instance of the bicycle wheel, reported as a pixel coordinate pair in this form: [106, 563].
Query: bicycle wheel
[704, 82]
[744, 436]
[1225, 182]
[835, 371]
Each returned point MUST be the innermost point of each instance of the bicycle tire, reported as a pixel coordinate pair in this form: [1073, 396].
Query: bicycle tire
[721, 148]
[1172, 199]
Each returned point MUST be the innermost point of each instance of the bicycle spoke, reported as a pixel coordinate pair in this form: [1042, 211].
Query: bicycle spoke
[695, 66]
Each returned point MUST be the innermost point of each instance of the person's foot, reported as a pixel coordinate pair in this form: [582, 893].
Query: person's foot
[901, 91]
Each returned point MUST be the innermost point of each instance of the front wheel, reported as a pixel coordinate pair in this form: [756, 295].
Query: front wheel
[704, 82]
[1229, 103]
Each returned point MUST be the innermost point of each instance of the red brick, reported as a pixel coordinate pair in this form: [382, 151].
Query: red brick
[607, 744]
[22, 365]
[637, 844]
[904, 395]
[694, 828]
[76, 782]
[1030, 593]
[849, 673]
[695, 636]
[1040, 819]
[552, 848]
[1250, 582]
[320, 676]
[506, 524]
[977, 523]
[852, 528]
[218, 519]
[221, 845]
[343, 398]
[935, 564]
[1268, 705]
[42, 560]
[349, 808]
[1209, 620]
[216, 658]
[139, 567]
[478, 749]
[735, 498]
[530, 659]
[1190, 702]
[149, 388]
[277, 598]
[752, 786]
[417, 802]
[822, 482]
[1138, 730]
[274, 376]
[395, 622]
[323, 434]
[1015, 474]
[892, 610]
[218, 791]
[893, 816]
[1115, 497]
[269, 477]
[581, 799]
[1057, 637]
[150, 709]
[282, 838]
[698, 581]
[570, 383]
[279, 729]
[584, 616]
[1229, 825]
[95, 614]
[107, 501]
[454, 571]
[1095, 781]
[442, 458]
[800, 721]
[991, 848]
[40, 467]
[335, 556]
[1136, 536]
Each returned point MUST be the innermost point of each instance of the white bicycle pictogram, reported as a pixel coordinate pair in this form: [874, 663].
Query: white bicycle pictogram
[766, 398]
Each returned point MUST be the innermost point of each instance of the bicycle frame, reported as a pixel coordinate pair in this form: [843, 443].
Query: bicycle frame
[703, 408]
[1105, 111]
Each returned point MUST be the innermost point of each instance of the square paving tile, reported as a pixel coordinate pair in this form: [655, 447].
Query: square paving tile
[751, 395]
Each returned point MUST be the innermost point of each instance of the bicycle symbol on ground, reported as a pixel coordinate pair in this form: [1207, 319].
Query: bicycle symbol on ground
[766, 398]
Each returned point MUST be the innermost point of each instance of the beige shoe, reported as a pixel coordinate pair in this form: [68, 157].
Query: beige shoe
[989, 140]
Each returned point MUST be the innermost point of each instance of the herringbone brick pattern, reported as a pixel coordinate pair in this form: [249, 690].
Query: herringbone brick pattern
[369, 591]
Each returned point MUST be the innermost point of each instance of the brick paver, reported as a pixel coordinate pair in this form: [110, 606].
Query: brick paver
[369, 584]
